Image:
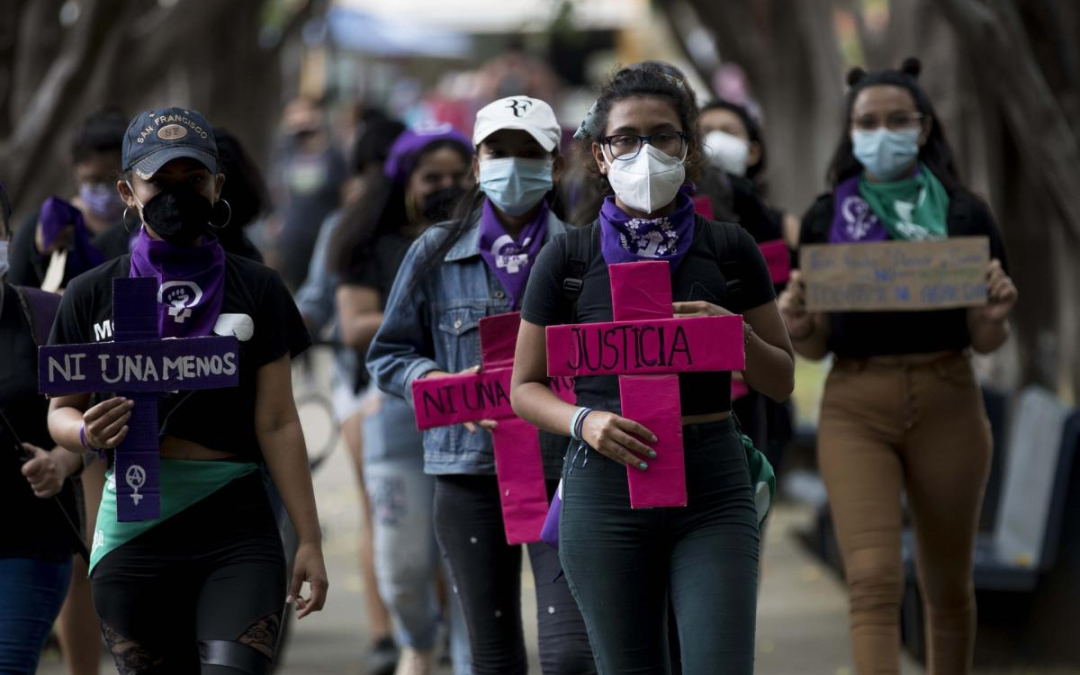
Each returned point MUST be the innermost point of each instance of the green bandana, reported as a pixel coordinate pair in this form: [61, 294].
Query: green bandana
[183, 483]
[912, 209]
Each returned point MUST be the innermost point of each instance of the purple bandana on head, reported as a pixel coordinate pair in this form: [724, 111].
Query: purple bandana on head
[56, 215]
[853, 220]
[626, 239]
[191, 283]
[403, 154]
[511, 259]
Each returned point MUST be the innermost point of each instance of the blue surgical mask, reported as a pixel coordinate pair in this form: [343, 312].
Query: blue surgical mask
[885, 153]
[515, 184]
[102, 200]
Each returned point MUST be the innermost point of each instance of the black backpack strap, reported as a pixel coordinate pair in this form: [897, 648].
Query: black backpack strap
[578, 252]
[728, 268]
[40, 308]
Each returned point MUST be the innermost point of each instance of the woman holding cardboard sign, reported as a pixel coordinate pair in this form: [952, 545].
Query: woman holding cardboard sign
[202, 586]
[626, 565]
[902, 411]
[454, 275]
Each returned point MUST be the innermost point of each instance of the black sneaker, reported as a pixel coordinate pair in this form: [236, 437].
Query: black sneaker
[383, 658]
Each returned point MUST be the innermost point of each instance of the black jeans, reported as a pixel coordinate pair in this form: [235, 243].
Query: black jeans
[625, 565]
[203, 588]
[486, 574]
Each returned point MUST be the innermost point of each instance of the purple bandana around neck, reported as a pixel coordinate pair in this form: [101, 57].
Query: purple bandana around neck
[509, 259]
[853, 221]
[191, 283]
[57, 214]
[626, 239]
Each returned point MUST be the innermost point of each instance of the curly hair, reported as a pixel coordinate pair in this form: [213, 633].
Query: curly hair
[647, 79]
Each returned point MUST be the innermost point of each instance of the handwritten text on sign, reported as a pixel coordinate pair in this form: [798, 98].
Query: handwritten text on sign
[646, 347]
[895, 275]
[140, 366]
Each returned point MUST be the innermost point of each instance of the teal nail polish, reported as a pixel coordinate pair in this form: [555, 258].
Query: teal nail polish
[652, 454]
[642, 466]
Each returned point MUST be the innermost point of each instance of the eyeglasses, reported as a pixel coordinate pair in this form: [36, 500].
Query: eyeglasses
[893, 121]
[626, 147]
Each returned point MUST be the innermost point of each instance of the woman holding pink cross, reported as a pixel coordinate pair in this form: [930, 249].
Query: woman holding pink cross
[454, 275]
[626, 566]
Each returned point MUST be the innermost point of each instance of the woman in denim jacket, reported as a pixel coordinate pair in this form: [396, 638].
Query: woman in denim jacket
[453, 276]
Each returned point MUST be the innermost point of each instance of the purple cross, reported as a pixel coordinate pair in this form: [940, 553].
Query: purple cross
[140, 366]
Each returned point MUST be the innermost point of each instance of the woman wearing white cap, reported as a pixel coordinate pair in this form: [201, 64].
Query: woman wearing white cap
[454, 275]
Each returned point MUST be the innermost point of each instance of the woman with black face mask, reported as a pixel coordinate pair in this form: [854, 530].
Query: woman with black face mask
[201, 587]
[425, 173]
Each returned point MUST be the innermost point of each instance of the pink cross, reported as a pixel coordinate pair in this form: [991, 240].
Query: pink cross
[486, 395]
[647, 348]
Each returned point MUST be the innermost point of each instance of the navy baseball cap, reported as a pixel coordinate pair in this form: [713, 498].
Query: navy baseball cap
[156, 137]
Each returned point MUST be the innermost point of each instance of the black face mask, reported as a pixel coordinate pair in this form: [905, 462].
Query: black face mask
[439, 205]
[178, 214]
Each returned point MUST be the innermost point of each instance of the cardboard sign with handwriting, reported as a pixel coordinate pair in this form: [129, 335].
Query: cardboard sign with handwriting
[895, 275]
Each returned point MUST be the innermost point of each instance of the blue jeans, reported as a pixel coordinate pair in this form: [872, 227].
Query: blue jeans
[406, 555]
[31, 594]
[625, 566]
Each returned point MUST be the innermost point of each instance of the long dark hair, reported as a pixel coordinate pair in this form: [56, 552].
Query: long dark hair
[379, 211]
[935, 153]
[649, 78]
[245, 188]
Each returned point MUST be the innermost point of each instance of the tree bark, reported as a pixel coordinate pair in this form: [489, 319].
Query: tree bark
[135, 55]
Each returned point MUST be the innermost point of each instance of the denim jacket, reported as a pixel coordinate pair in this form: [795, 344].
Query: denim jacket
[436, 326]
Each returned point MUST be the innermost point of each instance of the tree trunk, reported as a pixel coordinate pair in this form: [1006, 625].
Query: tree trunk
[205, 55]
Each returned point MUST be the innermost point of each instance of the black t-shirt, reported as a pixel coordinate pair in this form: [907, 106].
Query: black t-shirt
[764, 223]
[739, 282]
[219, 419]
[377, 265]
[865, 334]
[33, 528]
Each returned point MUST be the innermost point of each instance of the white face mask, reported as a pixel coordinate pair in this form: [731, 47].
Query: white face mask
[727, 152]
[3, 258]
[648, 182]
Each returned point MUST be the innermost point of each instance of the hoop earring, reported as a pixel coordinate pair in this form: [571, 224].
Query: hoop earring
[124, 220]
[227, 220]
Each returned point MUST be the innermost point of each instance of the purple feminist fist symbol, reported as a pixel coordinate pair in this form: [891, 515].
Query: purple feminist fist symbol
[140, 366]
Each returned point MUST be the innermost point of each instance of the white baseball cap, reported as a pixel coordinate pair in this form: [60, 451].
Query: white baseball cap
[519, 112]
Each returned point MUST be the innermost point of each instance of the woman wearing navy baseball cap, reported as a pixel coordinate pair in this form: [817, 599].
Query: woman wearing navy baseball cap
[202, 585]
